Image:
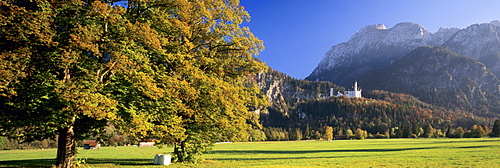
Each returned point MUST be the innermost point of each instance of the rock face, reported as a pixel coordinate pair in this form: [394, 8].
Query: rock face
[375, 47]
[462, 71]
[284, 91]
[429, 70]
[480, 42]
[371, 48]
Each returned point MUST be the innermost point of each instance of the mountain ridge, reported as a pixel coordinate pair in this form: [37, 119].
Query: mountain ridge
[375, 46]
[431, 70]
[465, 76]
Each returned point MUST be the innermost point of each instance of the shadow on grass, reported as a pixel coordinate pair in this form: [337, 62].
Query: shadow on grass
[236, 152]
[229, 152]
[473, 140]
[28, 163]
[126, 162]
[282, 158]
[89, 161]
[483, 146]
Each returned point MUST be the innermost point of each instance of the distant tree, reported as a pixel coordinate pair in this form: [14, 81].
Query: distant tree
[496, 129]
[439, 134]
[360, 134]
[328, 133]
[387, 134]
[429, 131]
[451, 132]
[459, 132]
[406, 131]
[394, 132]
[348, 132]
[295, 134]
[477, 131]
[257, 135]
[307, 132]
[420, 132]
[2, 142]
[316, 135]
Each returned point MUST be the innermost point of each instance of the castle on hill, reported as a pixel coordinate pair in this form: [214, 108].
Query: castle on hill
[354, 93]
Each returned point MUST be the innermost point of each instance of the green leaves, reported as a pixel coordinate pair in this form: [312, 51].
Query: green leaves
[177, 71]
[195, 60]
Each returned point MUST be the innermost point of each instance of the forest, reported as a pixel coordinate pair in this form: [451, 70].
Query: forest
[380, 114]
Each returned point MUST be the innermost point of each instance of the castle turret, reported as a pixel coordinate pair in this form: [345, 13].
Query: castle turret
[355, 92]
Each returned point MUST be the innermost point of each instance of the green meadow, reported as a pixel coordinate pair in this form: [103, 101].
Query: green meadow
[477, 152]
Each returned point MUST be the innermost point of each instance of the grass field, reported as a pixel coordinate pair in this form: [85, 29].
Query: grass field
[483, 152]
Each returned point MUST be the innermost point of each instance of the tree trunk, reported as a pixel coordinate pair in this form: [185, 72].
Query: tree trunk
[180, 154]
[66, 147]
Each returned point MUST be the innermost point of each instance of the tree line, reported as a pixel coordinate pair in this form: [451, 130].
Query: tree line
[297, 134]
[384, 114]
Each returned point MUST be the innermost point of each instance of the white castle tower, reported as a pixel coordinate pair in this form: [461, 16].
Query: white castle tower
[356, 92]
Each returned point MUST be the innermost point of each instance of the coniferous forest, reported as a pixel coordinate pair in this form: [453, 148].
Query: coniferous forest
[384, 115]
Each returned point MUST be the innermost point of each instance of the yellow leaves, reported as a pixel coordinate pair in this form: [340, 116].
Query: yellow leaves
[175, 70]
[97, 106]
[22, 25]
[148, 86]
[12, 67]
[144, 34]
[99, 8]
[85, 98]
[172, 128]
[137, 124]
[87, 38]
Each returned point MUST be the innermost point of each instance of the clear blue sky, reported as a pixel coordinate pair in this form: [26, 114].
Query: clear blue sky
[297, 33]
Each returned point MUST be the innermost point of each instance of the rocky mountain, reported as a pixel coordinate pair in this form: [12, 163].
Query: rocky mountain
[374, 47]
[480, 42]
[306, 106]
[284, 93]
[428, 82]
[438, 76]
[380, 58]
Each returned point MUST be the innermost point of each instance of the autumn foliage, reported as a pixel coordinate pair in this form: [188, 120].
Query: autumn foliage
[176, 71]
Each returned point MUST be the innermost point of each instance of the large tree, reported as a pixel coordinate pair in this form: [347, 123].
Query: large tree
[57, 59]
[205, 69]
[179, 71]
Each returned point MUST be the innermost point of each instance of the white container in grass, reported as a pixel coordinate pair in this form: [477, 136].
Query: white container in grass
[161, 159]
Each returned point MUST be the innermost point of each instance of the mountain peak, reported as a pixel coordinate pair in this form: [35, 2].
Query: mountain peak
[409, 25]
[375, 47]
[495, 22]
[344, 62]
[374, 27]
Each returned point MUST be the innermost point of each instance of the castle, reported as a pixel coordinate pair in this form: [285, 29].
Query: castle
[355, 93]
